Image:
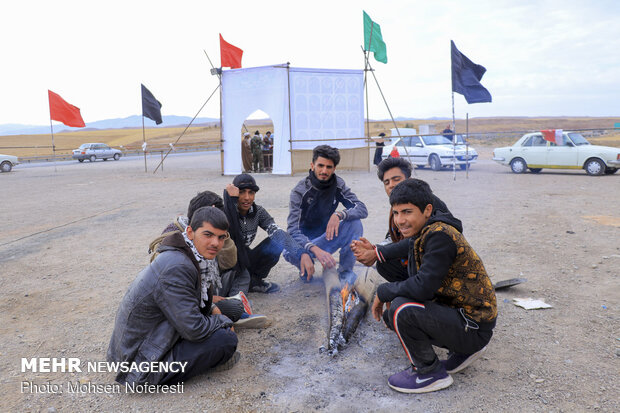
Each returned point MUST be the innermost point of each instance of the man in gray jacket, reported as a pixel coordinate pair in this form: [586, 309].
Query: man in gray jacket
[314, 221]
[167, 314]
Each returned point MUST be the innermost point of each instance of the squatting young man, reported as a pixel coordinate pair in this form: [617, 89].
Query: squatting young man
[447, 301]
[167, 314]
[390, 255]
[314, 221]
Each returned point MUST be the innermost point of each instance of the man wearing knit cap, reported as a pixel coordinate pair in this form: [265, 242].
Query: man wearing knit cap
[244, 217]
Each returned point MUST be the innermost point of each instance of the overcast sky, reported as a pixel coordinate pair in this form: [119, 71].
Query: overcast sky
[543, 58]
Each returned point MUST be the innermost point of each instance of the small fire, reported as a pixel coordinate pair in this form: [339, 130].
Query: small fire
[349, 298]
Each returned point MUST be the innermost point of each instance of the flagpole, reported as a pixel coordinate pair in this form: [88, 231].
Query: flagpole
[453, 135]
[222, 128]
[366, 54]
[390, 112]
[467, 145]
[53, 146]
[187, 127]
[144, 142]
[290, 126]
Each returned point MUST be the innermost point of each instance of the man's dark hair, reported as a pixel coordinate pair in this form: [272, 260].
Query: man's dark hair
[412, 191]
[203, 199]
[327, 152]
[389, 163]
[211, 215]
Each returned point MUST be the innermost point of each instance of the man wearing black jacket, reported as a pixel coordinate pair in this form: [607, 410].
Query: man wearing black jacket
[167, 314]
[390, 255]
[245, 217]
[447, 300]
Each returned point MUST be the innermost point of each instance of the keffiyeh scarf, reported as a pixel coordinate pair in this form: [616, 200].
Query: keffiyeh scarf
[209, 272]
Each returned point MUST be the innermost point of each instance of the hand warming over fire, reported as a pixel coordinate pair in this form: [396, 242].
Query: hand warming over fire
[364, 251]
[377, 309]
[306, 267]
[324, 257]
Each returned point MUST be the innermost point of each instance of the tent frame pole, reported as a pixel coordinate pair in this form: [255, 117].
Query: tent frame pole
[290, 126]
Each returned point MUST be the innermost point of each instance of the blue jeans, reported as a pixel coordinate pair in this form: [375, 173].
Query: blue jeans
[347, 232]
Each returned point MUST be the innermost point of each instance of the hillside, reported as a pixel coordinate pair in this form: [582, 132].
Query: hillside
[487, 131]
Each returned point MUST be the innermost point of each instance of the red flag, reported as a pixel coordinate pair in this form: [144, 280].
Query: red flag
[394, 153]
[64, 112]
[230, 55]
[553, 135]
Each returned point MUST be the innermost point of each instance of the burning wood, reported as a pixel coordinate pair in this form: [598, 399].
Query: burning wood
[346, 306]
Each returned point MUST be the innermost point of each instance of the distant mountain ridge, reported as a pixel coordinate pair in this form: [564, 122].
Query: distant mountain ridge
[134, 121]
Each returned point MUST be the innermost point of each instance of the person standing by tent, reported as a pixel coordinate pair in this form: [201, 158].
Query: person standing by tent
[380, 143]
[257, 152]
[246, 152]
[268, 151]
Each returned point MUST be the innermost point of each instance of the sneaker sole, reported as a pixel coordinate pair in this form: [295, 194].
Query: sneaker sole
[436, 385]
[468, 361]
[251, 322]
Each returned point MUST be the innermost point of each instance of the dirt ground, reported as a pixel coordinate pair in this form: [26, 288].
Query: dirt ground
[73, 237]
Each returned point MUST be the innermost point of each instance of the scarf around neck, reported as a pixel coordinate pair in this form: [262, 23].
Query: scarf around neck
[209, 271]
[321, 206]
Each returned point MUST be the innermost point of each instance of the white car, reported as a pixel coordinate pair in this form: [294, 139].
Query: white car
[533, 152]
[435, 151]
[7, 162]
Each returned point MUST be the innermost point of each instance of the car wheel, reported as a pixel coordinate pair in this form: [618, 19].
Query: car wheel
[80, 160]
[434, 162]
[92, 158]
[535, 170]
[6, 167]
[117, 157]
[518, 165]
[594, 167]
[611, 171]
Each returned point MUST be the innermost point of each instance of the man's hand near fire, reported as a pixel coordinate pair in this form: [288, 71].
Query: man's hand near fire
[377, 309]
[306, 267]
[364, 251]
[324, 257]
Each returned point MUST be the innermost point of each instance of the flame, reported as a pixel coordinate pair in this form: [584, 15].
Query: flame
[344, 293]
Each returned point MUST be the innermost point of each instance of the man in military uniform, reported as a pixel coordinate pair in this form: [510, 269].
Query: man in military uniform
[257, 152]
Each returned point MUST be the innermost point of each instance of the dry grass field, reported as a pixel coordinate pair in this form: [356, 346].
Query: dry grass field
[494, 131]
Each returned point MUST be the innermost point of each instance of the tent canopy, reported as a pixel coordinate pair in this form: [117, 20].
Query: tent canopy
[306, 106]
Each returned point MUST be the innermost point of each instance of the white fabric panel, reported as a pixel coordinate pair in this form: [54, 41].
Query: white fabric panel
[243, 92]
[327, 104]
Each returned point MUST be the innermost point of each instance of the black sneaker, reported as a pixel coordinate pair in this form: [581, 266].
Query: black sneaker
[264, 287]
[228, 364]
[457, 361]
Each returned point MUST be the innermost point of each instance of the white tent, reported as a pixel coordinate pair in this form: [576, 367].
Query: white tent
[310, 105]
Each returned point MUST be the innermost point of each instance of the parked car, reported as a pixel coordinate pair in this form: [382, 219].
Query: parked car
[533, 152]
[94, 151]
[435, 151]
[7, 162]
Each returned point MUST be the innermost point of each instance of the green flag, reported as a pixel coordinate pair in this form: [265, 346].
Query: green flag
[373, 41]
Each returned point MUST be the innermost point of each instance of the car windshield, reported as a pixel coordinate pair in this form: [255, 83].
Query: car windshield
[578, 139]
[436, 140]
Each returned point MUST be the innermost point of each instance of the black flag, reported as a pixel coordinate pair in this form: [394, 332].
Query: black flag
[151, 108]
[466, 76]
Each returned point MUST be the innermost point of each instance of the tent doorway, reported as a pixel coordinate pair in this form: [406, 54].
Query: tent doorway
[257, 143]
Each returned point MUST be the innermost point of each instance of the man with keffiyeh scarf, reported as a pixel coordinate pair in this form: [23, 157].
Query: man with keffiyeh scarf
[314, 221]
[168, 314]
